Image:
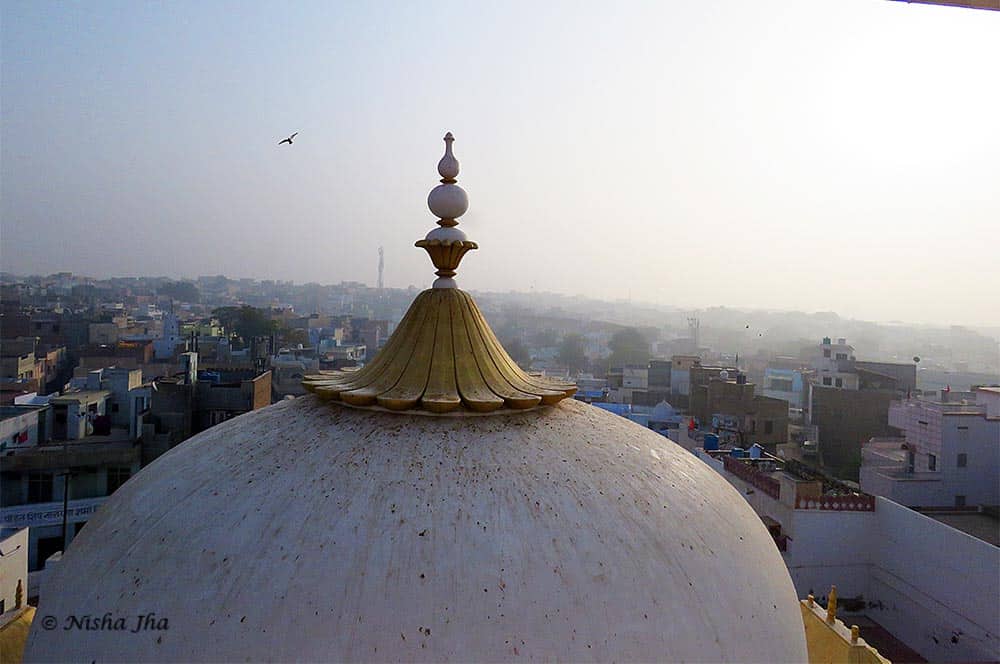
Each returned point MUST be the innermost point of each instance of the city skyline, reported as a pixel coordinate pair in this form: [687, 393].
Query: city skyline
[666, 307]
[774, 156]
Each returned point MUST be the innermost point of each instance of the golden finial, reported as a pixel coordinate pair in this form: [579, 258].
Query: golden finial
[831, 605]
[443, 356]
[855, 633]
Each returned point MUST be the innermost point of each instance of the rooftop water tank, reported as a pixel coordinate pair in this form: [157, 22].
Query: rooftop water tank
[711, 442]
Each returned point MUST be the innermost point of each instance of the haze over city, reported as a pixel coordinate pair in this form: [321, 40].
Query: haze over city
[647, 331]
[814, 156]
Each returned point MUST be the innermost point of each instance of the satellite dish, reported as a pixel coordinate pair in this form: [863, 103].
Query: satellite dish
[916, 358]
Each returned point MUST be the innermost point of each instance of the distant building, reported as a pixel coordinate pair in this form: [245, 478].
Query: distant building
[165, 347]
[847, 403]
[723, 401]
[626, 383]
[129, 400]
[680, 376]
[197, 399]
[341, 356]
[831, 364]
[104, 333]
[289, 367]
[17, 365]
[785, 384]
[948, 455]
[591, 388]
[75, 415]
[129, 354]
[659, 379]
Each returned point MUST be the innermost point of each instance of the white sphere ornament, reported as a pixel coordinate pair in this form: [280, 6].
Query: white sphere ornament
[448, 201]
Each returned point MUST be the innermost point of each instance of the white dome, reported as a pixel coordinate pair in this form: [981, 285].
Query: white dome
[318, 532]
[662, 412]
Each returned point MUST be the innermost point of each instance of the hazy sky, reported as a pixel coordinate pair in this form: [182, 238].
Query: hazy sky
[840, 155]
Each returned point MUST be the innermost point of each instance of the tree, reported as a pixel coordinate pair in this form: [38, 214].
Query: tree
[184, 291]
[246, 322]
[628, 346]
[571, 353]
[518, 352]
[294, 337]
[544, 338]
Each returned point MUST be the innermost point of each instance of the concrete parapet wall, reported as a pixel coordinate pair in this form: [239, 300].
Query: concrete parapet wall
[829, 642]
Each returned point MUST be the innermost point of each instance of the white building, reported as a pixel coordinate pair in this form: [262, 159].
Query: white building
[13, 571]
[949, 455]
[167, 344]
[289, 367]
[931, 586]
[829, 364]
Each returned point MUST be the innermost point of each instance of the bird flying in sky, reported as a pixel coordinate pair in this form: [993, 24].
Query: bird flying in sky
[289, 139]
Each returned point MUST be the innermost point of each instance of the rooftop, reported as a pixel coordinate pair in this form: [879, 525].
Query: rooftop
[984, 525]
[10, 412]
[83, 396]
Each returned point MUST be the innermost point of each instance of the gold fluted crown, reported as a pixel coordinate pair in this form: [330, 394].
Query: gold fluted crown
[443, 357]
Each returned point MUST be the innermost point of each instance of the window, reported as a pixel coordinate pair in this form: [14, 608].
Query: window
[780, 384]
[959, 501]
[931, 462]
[39, 487]
[768, 426]
[963, 460]
[827, 380]
[117, 477]
[114, 408]
[841, 356]
[826, 352]
[839, 382]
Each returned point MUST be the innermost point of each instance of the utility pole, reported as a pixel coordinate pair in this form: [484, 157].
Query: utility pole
[65, 511]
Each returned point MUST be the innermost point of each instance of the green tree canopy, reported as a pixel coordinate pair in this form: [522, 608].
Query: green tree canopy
[294, 337]
[518, 352]
[628, 346]
[571, 353]
[184, 291]
[246, 322]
